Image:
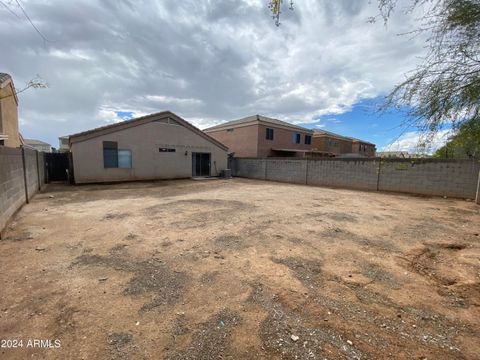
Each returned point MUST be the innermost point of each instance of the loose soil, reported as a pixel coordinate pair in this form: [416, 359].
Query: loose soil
[240, 269]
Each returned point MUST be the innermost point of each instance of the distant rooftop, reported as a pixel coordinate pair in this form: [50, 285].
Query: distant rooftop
[256, 119]
[4, 77]
[35, 142]
[332, 134]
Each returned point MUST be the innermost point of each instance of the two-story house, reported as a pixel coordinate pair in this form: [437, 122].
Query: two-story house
[339, 145]
[9, 135]
[261, 136]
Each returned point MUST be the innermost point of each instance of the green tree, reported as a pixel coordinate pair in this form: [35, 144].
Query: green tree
[445, 88]
[464, 144]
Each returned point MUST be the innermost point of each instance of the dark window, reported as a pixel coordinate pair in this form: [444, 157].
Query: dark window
[269, 134]
[110, 154]
[308, 139]
[2, 142]
[296, 138]
[166, 150]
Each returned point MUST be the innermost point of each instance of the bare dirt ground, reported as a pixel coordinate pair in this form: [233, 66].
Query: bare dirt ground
[241, 269]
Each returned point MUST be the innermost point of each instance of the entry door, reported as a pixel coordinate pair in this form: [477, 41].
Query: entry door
[200, 164]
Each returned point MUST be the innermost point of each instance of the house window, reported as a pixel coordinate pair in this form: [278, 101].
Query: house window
[166, 150]
[2, 142]
[115, 158]
[110, 154]
[269, 134]
[308, 139]
[296, 138]
[125, 159]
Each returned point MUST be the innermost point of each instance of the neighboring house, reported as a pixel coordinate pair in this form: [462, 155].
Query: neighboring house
[63, 144]
[157, 146]
[339, 145]
[38, 145]
[260, 136]
[9, 134]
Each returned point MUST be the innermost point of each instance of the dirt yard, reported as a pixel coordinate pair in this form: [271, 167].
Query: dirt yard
[240, 269]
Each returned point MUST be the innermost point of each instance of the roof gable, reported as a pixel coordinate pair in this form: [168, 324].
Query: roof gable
[255, 120]
[165, 116]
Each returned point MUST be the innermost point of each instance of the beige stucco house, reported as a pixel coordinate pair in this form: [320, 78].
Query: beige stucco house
[157, 146]
[9, 135]
[261, 136]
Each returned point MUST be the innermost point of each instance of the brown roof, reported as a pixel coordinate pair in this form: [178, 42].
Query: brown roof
[318, 133]
[85, 135]
[6, 79]
[255, 119]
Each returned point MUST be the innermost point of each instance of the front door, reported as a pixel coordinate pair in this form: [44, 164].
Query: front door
[200, 164]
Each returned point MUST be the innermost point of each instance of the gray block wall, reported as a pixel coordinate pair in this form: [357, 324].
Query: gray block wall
[31, 167]
[12, 180]
[345, 173]
[285, 170]
[452, 178]
[251, 168]
[12, 188]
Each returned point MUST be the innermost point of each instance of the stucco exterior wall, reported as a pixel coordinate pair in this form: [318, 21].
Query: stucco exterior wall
[9, 117]
[242, 140]
[144, 142]
[282, 139]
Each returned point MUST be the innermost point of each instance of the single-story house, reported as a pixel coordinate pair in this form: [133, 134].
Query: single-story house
[156, 146]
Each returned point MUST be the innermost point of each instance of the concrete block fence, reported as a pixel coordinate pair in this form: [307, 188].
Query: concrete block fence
[436, 177]
[22, 174]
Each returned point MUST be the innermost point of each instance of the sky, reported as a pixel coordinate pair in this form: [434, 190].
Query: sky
[325, 67]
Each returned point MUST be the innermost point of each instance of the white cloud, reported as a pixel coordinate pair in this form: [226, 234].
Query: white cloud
[208, 61]
[413, 142]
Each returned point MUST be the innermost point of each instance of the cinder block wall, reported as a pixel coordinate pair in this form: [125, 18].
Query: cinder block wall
[452, 178]
[348, 173]
[12, 184]
[286, 170]
[250, 168]
[32, 174]
[12, 190]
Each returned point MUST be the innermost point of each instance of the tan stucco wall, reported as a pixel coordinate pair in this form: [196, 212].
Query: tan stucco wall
[147, 162]
[241, 140]
[282, 139]
[9, 117]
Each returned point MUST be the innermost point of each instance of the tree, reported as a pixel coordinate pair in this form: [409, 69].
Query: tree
[464, 144]
[445, 88]
[275, 7]
[36, 83]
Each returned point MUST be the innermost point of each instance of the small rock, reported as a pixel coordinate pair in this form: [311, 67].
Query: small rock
[103, 279]
[51, 196]
[349, 342]
[294, 338]
[40, 248]
[137, 323]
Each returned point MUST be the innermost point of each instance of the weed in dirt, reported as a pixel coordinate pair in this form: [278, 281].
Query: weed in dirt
[118, 343]
[150, 276]
[119, 248]
[211, 340]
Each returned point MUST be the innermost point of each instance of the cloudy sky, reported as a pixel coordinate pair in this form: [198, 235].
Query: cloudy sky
[325, 67]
